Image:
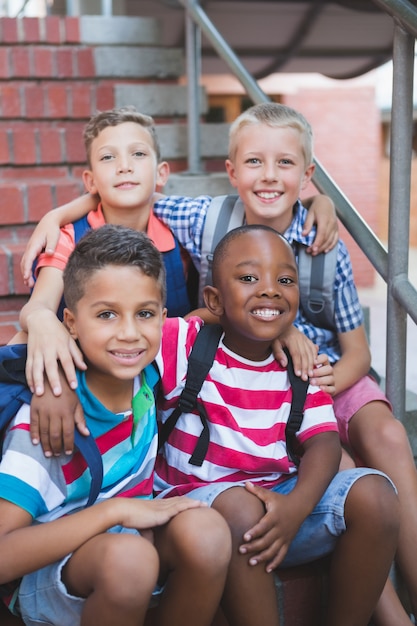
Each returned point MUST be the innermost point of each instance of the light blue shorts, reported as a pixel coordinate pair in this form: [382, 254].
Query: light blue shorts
[44, 599]
[318, 534]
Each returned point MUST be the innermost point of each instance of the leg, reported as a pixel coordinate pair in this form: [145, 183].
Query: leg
[382, 442]
[364, 553]
[116, 573]
[250, 597]
[194, 549]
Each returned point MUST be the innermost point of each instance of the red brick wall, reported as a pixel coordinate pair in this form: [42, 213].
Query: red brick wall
[346, 126]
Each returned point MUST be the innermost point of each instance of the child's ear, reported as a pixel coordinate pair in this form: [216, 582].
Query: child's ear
[212, 300]
[89, 183]
[69, 322]
[162, 174]
[308, 175]
[230, 169]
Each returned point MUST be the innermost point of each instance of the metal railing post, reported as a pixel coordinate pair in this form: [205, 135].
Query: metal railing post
[399, 213]
[193, 60]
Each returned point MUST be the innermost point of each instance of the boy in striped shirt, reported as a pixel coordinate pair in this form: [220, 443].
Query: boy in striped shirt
[74, 564]
[278, 515]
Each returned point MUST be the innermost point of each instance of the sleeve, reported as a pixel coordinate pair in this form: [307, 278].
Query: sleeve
[348, 310]
[319, 415]
[186, 218]
[59, 258]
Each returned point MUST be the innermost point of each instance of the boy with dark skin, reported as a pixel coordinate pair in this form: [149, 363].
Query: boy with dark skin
[278, 515]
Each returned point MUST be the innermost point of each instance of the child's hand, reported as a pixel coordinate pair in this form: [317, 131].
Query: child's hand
[323, 375]
[52, 420]
[143, 514]
[302, 350]
[49, 343]
[44, 237]
[322, 213]
[268, 541]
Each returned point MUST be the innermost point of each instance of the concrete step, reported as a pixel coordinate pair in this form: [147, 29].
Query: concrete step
[137, 62]
[186, 184]
[113, 30]
[158, 100]
[173, 140]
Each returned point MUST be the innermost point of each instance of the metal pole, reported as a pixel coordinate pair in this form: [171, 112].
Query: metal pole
[399, 213]
[107, 7]
[193, 59]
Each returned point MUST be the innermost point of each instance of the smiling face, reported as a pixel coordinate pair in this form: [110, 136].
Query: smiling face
[269, 170]
[256, 291]
[118, 323]
[124, 168]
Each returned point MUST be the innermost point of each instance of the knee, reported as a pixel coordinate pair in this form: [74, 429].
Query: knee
[129, 570]
[201, 538]
[240, 509]
[372, 502]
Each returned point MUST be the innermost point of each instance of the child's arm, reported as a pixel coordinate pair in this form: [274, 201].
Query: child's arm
[25, 547]
[355, 360]
[268, 541]
[48, 340]
[321, 211]
[46, 234]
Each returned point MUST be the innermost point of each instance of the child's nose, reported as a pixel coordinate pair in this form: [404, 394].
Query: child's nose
[128, 329]
[270, 171]
[124, 165]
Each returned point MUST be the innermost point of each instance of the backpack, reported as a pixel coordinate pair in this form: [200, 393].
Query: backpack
[14, 392]
[316, 275]
[199, 364]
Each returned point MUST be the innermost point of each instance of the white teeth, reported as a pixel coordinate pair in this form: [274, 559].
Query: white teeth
[123, 355]
[268, 195]
[267, 312]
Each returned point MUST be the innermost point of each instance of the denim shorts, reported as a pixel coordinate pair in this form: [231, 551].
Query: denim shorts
[44, 599]
[318, 533]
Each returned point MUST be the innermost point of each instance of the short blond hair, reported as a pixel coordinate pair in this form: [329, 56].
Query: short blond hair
[274, 115]
[115, 117]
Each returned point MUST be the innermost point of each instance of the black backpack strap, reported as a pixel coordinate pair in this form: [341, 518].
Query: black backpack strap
[299, 393]
[199, 364]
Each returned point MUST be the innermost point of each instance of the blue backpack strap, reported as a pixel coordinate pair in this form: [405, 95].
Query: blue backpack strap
[81, 227]
[178, 302]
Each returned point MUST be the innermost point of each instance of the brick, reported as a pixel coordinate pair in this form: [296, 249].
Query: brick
[72, 29]
[7, 331]
[23, 174]
[24, 147]
[65, 62]
[75, 152]
[11, 204]
[105, 96]
[4, 272]
[56, 100]
[83, 100]
[18, 286]
[50, 145]
[85, 63]
[9, 30]
[33, 101]
[43, 62]
[53, 29]
[31, 30]
[20, 62]
[67, 192]
[5, 62]
[4, 147]
[10, 100]
[39, 200]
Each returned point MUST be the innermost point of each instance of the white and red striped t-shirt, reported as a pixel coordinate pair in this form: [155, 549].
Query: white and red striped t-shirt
[247, 403]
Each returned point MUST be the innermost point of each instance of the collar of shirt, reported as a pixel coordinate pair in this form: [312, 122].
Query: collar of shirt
[294, 231]
[160, 234]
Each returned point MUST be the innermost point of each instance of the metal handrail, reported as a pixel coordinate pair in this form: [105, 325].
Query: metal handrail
[393, 268]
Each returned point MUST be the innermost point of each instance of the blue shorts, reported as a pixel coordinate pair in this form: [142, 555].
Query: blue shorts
[318, 533]
[44, 599]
